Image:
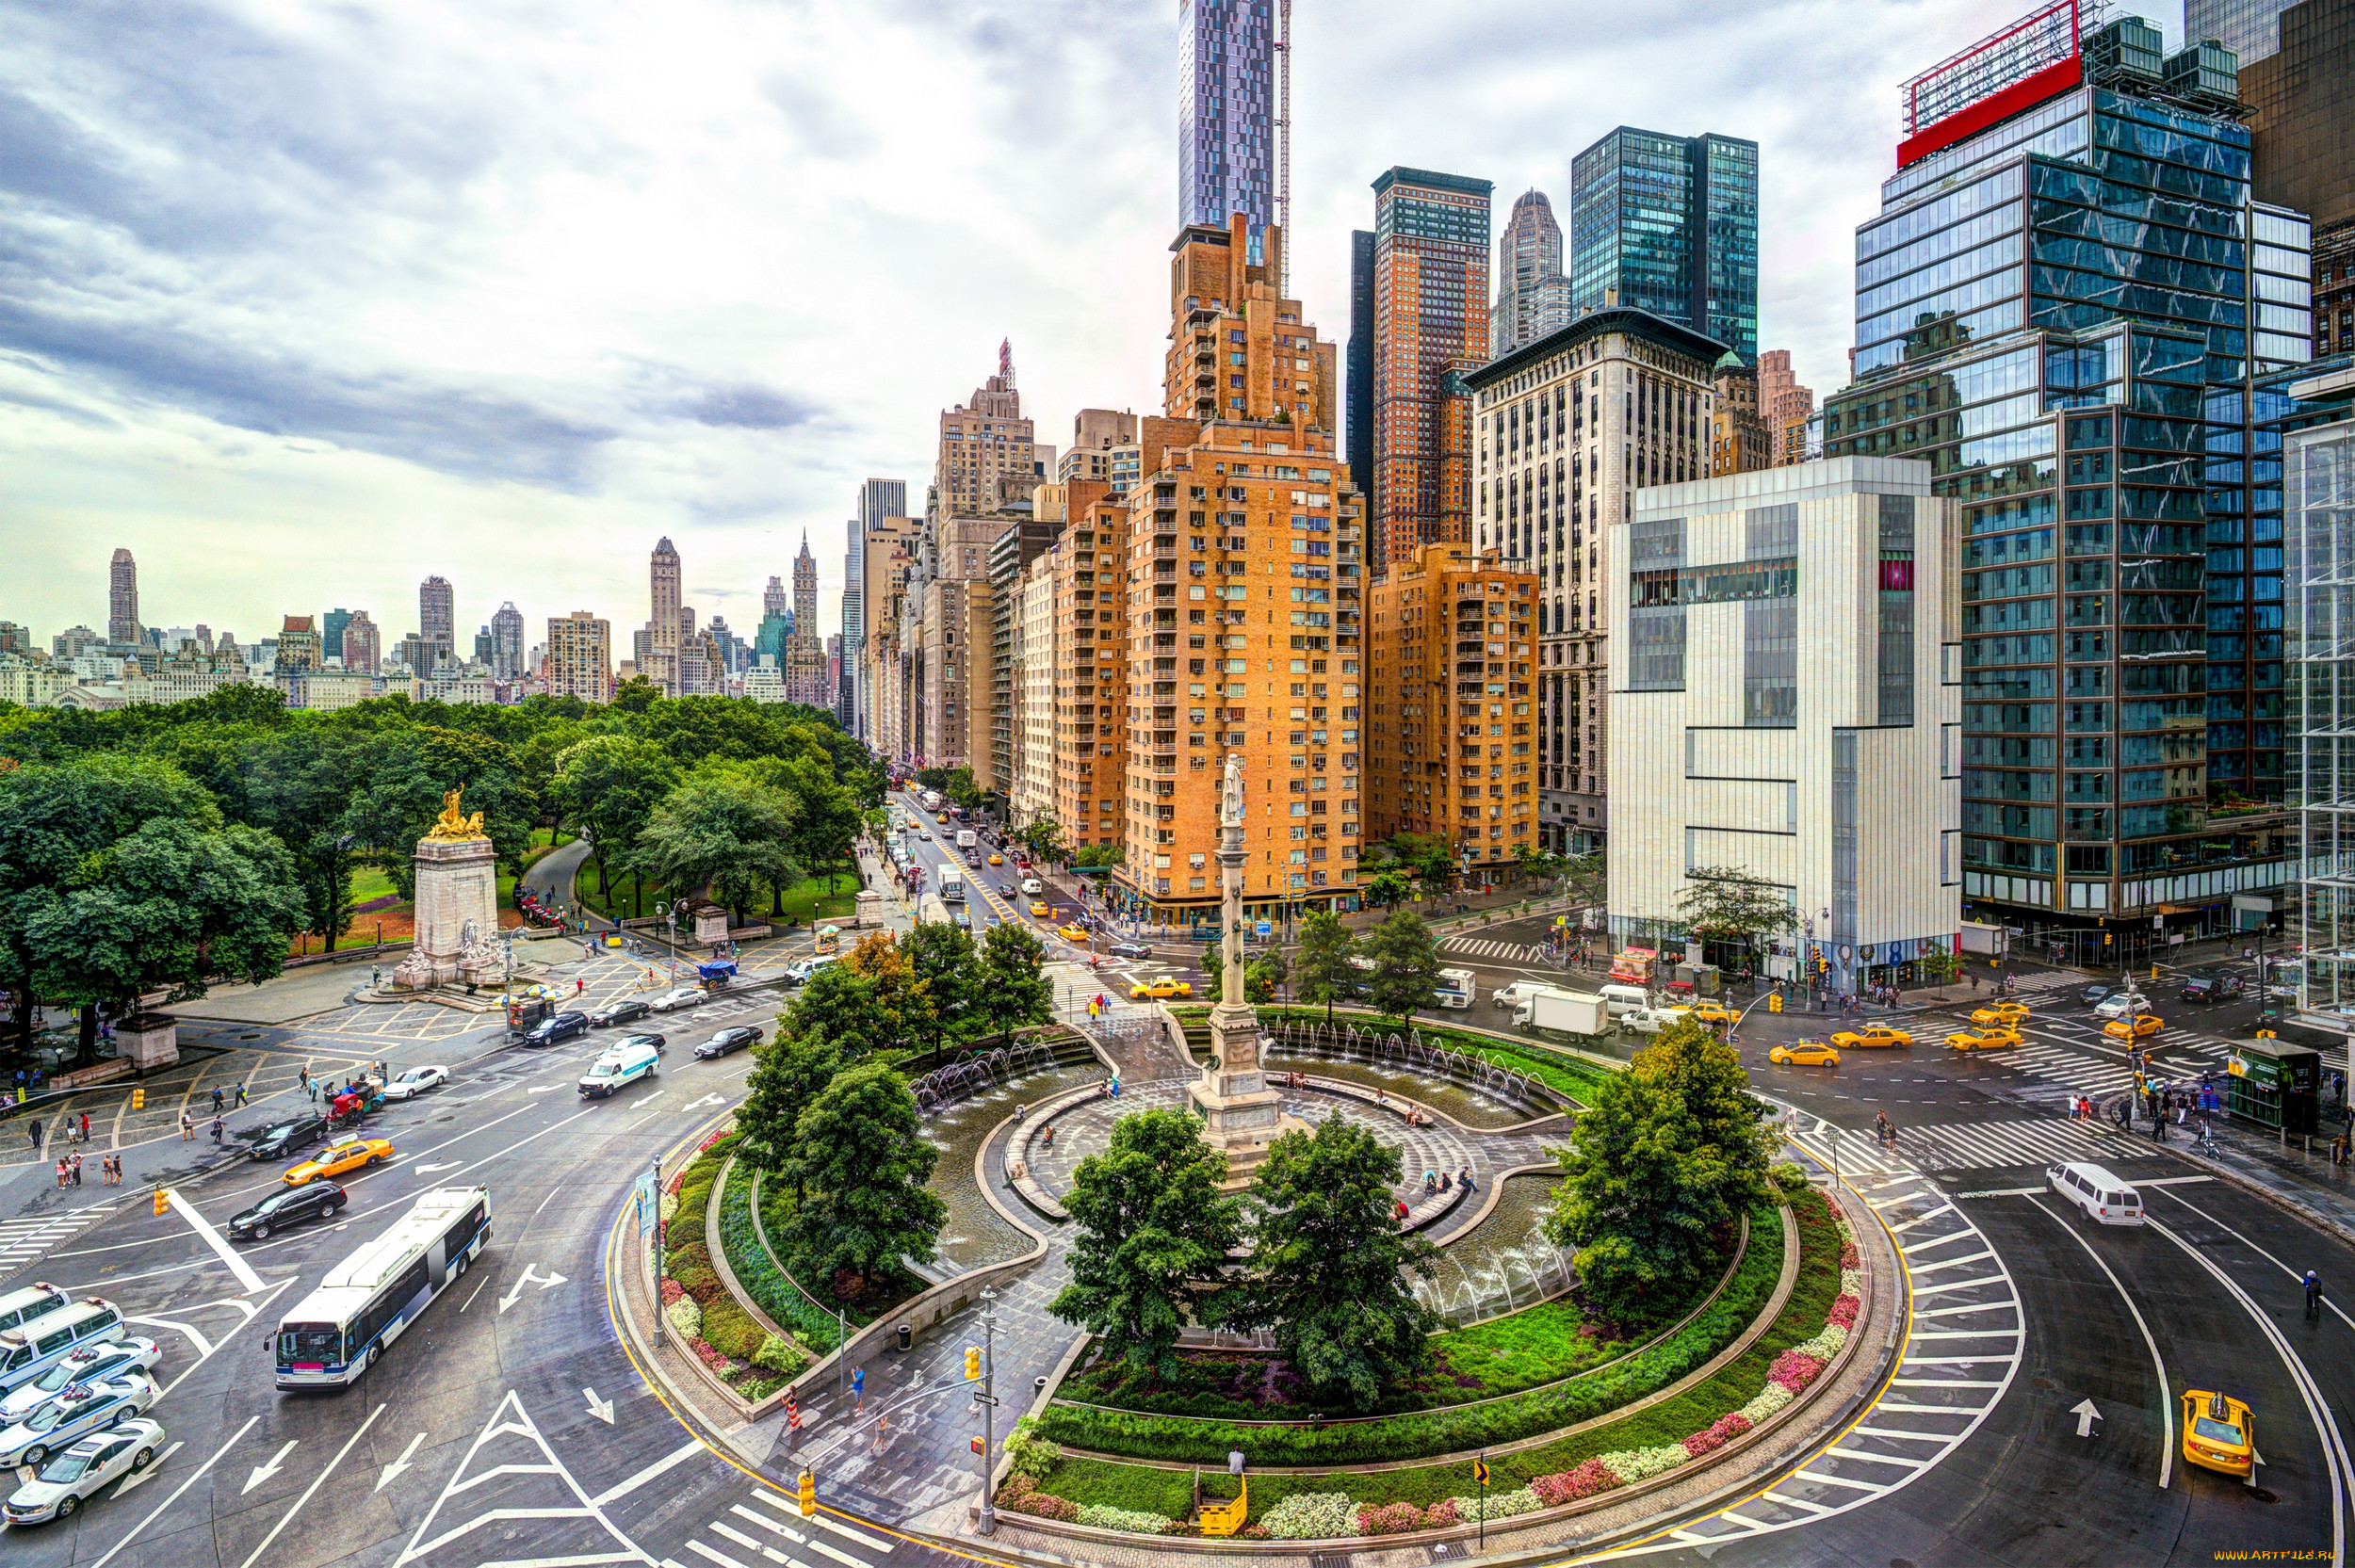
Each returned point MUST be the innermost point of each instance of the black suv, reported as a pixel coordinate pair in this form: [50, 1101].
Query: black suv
[562, 1027]
[1130, 951]
[2214, 988]
[281, 1138]
[620, 1013]
[315, 1201]
[727, 1041]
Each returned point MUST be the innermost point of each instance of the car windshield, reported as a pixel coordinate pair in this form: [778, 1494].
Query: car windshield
[67, 1370]
[283, 1129]
[49, 1415]
[67, 1466]
[2215, 1431]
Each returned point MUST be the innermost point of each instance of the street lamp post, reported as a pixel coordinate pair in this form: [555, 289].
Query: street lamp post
[988, 1399]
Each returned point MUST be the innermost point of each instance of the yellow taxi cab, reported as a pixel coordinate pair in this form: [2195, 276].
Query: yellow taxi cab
[2143, 1025]
[350, 1155]
[1990, 1039]
[2220, 1432]
[1708, 1013]
[1807, 1053]
[1871, 1037]
[1072, 933]
[1162, 987]
[1042, 909]
[997, 859]
[2009, 1014]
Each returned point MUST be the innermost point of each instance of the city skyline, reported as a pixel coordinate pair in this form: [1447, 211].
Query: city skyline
[540, 476]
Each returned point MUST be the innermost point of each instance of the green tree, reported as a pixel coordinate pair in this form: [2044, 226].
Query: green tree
[961, 789]
[792, 1072]
[636, 695]
[1100, 854]
[942, 958]
[1330, 1269]
[1325, 973]
[1263, 974]
[1389, 889]
[1044, 837]
[1151, 1227]
[1012, 989]
[1214, 971]
[720, 831]
[610, 784]
[861, 1164]
[871, 1001]
[1406, 959]
[1427, 859]
[405, 769]
[1725, 903]
[1669, 1156]
[298, 784]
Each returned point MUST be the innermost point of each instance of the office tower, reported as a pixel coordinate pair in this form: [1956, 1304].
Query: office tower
[2302, 103]
[1828, 773]
[983, 442]
[507, 644]
[1430, 325]
[1739, 441]
[659, 659]
[889, 547]
[2317, 405]
[363, 644]
[437, 624]
[1568, 430]
[805, 653]
[996, 757]
[1784, 405]
[1532, 291]
[331, 633]
[772, 598]
[1358, 433]
[579, 660]
[1242, 628]
[1225, 113]
[122, 599]
[483, 646]
[1450, 647]
[2334, 289]
[1669, 224]
[2091, 407]
[882, 498]
[2253, 29]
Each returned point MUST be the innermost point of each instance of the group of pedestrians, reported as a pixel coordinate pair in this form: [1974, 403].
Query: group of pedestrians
[70, 1170]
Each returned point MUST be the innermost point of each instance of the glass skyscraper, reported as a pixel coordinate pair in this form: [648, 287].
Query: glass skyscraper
[2069, 314]
[2251, 29]
[1671, 225]
[1226, 112]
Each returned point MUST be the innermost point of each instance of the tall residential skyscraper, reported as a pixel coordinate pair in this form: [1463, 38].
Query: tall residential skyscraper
[772, 598]
[1358, 434]
[363, 643]
[1225, 113]
[1430, 325]
[805, 651]
[1669, 224]
[437, 624]
[1533, 291]
[507, 644]
[2250, 28]
[580, 656]
[882, 498]
[659, 662]
[2303, 122]
[981, 442]
[122, 599]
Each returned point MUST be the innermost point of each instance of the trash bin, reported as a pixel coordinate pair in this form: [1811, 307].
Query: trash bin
[907, 1335]
[1038, 1386]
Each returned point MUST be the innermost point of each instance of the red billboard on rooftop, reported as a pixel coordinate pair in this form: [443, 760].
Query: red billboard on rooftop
[2017, 68]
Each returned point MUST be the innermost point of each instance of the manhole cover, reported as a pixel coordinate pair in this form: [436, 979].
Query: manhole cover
[451, 1117]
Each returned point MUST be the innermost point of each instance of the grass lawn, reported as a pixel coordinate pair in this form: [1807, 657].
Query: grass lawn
[806, 900]
[369, 882]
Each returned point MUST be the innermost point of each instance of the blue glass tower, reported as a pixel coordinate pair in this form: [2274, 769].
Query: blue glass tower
[1671, 225]
[1225, 113]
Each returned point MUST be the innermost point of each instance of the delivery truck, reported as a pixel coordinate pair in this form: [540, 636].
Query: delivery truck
[1561, 1011]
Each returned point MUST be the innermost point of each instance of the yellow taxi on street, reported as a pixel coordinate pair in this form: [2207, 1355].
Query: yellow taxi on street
[2143, 1025]
[1072, 933]
[1871, 1037]
[1708, 1013]
[2009, 1014]
[997, 859]
[1807, 1053]
[1144, 990]
[353, 1153]
[1993, 1038]
[2219, 1433]
[1042, 909]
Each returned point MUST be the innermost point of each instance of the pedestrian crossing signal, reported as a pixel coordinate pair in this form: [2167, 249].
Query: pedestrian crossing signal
[805, 1493]
[138, 1099]
[972, 1365]
[163, 1199]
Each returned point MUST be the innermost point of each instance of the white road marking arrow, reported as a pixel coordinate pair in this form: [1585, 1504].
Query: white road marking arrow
[384, 1477]
[706, 1100]
[528, 1278]
[2085, 1413]
[140, 1477]
[264, 1472]
[601, 1409]
[429, 1170]
[540, 1089]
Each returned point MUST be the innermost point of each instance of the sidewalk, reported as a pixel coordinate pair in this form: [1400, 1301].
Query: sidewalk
[2284, 1174]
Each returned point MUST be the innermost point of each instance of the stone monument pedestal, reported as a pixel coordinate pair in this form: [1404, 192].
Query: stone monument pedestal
[148, 1040]
[870, 906]
[711, 926]
[1240, 1114]
[457, 904]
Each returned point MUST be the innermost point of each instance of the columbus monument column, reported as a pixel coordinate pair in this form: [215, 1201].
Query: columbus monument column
[1240, 1114]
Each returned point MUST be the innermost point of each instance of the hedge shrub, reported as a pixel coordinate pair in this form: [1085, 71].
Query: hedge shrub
[730, 1330]
[758, 1272]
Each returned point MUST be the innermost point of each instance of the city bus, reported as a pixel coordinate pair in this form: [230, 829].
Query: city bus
[333, 1335]
[952, 884]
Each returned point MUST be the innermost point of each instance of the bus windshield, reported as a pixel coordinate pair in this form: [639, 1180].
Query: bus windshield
[307, 1342]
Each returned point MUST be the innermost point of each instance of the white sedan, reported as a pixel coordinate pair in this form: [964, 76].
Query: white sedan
[683, 996]
[416, 1081]
[83, 1408]
[107, 1358]
[75, 1476]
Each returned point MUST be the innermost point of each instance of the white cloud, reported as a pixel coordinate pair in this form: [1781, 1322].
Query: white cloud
[304, 303]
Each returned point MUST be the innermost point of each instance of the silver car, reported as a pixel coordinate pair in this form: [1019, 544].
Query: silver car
[107, 1358]
[681, 996]
[83, 1408]
[75, 1476]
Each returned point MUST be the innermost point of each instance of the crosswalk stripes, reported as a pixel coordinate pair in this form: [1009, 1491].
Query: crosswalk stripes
[1978, 1145]
[777, 1533]
[1508, 952]
[22, 1240]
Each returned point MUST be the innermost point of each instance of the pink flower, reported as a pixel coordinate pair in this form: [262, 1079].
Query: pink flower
[1390, 1519]
[672, 1291]
[1570, 1485]
[1843, 1312]
[1441, 1514]
[1724, 1430]
[1794, 1370]
[1848, 1256]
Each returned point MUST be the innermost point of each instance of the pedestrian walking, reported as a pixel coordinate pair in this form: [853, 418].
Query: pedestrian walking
[187, 1126]
[86, 1126]
[35, 1131]
[76, 1164]
[376, 977]
[240, 1106]
[62, 1171]
[303, 1077]
[216, 1131]
[217, 1099]
[2313, 1295]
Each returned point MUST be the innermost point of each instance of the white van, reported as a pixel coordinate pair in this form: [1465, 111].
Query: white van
[2107, 1199]
[1649, 1020]
[21, 1305]
[1617, 1000]
[800, 971]
[619, 1068]
[40, 1342]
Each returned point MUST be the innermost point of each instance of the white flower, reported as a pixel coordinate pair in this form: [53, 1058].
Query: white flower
[1135, 1523]
[1307, 1516]
[1502, 1505]
[1634, 1465]
[686, 1317]
[1770, 1399]
[1824, 1345]
[1852, 1282]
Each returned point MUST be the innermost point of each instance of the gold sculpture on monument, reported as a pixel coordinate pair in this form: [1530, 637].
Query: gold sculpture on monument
[453, 825]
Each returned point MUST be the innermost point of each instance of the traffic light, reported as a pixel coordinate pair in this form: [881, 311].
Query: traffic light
[163, 1199]
[805, 1493]
[972, 1364]
[138, 1099]
[1774, 1003]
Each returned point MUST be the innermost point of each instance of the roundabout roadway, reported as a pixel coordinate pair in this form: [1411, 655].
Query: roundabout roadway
[508, 1425]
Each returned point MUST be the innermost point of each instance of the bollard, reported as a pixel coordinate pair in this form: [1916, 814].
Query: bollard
[907, 1335]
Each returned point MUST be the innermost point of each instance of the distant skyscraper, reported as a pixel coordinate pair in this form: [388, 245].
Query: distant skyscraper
[805, 653]
[982, 442]
[660, 659]
[437, 623]
[1532, 293]
[1357, 438]
[1430, 323]
[330, 632]
[1670, 223]
[363, 644]
[507, 644]
[806, 590]
[122, 599]
[880, 498]
[2251, 29]
[1226, 113]
[580, 656]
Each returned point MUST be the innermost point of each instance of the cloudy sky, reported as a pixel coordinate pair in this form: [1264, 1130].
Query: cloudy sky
[303, 301]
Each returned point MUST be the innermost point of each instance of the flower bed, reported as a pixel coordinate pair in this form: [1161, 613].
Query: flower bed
[758, 1272]
[1765, 1378]
[697, 1306]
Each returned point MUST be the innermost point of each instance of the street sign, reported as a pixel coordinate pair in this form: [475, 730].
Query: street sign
[1267, 927]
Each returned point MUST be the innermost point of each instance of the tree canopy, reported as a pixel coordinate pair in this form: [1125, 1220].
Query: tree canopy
[1406, 959]
[1324, 973]
[861, 1165]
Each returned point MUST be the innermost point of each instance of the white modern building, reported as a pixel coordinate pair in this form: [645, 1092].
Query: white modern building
[1785, 703]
